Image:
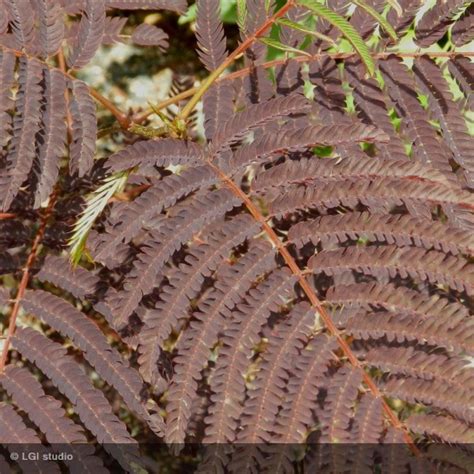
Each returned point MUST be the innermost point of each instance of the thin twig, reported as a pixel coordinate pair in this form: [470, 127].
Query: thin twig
[142, 116]
[121, 117]
[25, 278]
[7, 215]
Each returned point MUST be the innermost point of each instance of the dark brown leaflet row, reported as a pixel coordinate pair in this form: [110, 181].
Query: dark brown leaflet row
[405, 171]
[446, 111]
[434, 23]
[41, 101]
[22, 148]
[40, 28]
[13, 429]
[210, 34]
[89, 402]
[48, 414]
[35, 126]
[227, 347]
[399, 229]
[217, 102]
[386, 261]
[150, 35]
[91, 30]
[463, 30]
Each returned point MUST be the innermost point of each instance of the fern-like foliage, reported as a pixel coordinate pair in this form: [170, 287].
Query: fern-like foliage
[39, 106]
[300, 277]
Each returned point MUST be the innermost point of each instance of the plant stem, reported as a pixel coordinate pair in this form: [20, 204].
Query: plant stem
[25, 277]
[141, 116]
[121, 117]
[189, 107]
[311, 295]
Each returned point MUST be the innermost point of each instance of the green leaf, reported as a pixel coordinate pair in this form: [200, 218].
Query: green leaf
[380, 19]
[241, 14]
[305, 30]
[228, 14]
[95, 204]
[228, 11]
[189, 16]
[345, 28]
[282, 47]
[396, 6]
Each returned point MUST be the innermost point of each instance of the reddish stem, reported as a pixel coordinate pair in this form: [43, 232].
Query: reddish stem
[25, 278]
[121, 117]
[309, 292]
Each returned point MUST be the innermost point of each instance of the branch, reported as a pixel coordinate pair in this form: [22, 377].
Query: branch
[121, 117]
[317, 305]
[26, 276]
